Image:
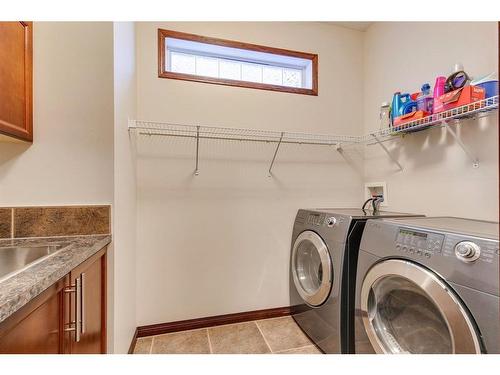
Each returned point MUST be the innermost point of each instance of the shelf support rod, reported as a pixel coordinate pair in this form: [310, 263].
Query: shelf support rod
[387, 151]
[475, 161]
[340, 150]
[274, 156]
[196, 171]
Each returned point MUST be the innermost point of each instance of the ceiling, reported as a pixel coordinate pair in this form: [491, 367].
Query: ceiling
[360, 26]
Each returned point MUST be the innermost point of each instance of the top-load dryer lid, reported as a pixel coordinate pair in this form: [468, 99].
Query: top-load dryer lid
[358, 213]
[470, 227]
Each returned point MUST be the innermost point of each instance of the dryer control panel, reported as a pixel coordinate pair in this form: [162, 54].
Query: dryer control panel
[322, 219]
[419, 243]
[316, 219]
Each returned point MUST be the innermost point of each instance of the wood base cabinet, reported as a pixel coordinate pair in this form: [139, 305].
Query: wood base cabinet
[38, 327]
[68, 317]
[88, 307]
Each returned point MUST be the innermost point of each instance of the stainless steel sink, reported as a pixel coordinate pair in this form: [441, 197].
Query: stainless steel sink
[14, 259]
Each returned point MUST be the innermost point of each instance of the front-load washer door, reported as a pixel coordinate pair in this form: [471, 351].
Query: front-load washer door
[312, 268]
[408, 309]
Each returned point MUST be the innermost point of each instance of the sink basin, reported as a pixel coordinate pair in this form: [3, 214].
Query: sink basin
[14, 259]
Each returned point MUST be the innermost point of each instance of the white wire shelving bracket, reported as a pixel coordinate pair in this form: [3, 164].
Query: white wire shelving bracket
[444, 119]
[386, 150]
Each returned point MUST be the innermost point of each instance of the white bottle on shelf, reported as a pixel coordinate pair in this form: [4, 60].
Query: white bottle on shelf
[385, 115]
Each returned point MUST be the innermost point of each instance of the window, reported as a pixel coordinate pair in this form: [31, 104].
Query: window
[210, 60]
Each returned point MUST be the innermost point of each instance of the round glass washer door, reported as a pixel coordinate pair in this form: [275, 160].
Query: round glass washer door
[311, 268]
[408, 309]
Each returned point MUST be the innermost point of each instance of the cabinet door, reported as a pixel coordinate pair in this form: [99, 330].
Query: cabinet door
[91, 277]
[36, 328]
[16, 60]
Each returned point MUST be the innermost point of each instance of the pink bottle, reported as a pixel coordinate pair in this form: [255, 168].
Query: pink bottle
[438, 91]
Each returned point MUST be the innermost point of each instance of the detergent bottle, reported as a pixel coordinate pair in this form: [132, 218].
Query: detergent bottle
[425, 100]
[398, 101]
[438, 91]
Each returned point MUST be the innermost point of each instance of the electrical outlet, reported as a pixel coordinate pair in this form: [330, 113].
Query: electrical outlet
[377, 188]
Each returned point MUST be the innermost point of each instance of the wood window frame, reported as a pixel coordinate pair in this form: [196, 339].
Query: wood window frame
[164, 73]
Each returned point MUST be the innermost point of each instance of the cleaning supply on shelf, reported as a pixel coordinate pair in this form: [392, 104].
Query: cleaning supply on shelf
[438, 91]
[396, 104]
[456, 81]
[385, 115]
[425, 100]
[458, 67]
[463, 96]
[408, 110]
[412, 116]
[398, 100]
[409, 107]
[489, 83]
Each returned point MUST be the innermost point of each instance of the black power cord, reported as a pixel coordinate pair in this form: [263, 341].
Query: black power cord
[364, 204]
[376, 200]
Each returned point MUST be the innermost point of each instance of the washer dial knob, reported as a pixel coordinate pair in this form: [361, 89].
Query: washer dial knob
[331, 221]
[467, 251]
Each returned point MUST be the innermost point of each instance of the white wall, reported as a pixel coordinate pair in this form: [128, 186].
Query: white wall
[438, 178]
[71, 158]
[219, 242]
[123, 314]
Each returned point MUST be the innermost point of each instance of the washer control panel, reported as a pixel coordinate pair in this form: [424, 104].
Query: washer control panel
[461, 258]
[467, 251]
[471, 250]
[419, 243]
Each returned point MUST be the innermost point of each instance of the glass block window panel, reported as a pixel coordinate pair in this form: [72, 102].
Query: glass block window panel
[251, 73]
[204, 59]
[272, 75]
[292, 77]
[182, 63]
[207, 66]
[229, 69]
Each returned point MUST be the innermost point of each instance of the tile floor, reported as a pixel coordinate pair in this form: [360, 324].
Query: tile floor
[276, 335]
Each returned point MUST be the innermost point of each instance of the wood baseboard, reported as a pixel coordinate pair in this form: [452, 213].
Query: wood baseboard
[211, 321]
[132, 344]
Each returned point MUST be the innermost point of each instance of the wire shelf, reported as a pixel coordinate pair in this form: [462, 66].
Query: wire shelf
[151, 128]
[477, 109]
[197, 132]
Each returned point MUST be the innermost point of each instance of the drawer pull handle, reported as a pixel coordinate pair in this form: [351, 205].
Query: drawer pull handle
[78, 309]
[82, 306]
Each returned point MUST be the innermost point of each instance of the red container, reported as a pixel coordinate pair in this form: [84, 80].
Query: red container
[458, 98]
[415, 115]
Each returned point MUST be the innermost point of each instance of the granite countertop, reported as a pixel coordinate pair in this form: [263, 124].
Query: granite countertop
[20, 288]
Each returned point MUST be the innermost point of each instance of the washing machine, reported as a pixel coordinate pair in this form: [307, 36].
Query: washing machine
[322, 272]
[428, 285]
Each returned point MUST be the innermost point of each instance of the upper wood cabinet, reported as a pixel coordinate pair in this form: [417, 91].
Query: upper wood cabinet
[16, 80]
